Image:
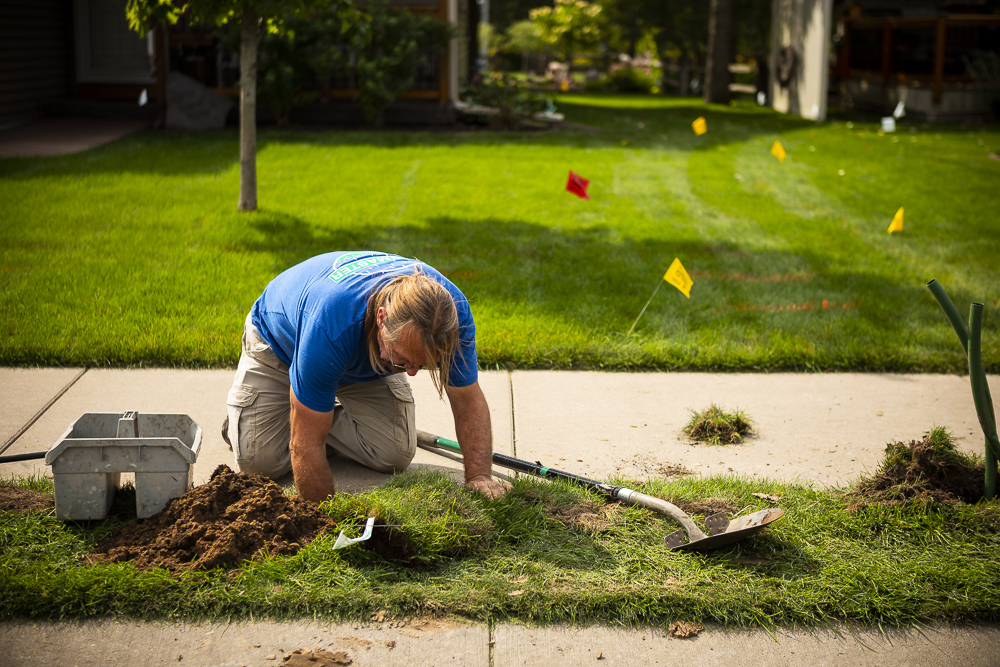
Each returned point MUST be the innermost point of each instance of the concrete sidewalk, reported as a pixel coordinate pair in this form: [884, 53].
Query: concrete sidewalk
[822, 429]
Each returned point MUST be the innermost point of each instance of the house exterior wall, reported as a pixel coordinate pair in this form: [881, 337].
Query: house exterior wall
[36, 57]
[804, 26]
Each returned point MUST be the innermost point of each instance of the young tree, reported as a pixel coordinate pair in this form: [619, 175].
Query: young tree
[570, 26]
[251, 15]
[524, 37]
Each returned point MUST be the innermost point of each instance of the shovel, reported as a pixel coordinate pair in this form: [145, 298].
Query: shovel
[721, 531]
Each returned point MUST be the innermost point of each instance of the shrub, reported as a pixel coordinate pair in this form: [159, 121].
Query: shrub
[629, 79]
[379, 48]
[510, 96]
[388, 62]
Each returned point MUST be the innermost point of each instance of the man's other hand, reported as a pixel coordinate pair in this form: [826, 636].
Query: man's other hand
[488, 486]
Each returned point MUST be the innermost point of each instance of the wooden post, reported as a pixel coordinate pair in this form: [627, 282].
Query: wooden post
[939, 49]
[886, 52]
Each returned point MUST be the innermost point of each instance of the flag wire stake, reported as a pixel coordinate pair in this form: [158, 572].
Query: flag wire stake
[658, 285]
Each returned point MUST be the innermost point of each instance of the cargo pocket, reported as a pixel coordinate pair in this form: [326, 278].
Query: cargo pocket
[404, 417]
[242, 421]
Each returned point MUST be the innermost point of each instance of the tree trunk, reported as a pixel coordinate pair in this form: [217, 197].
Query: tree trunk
[248, 108]
[720, 51]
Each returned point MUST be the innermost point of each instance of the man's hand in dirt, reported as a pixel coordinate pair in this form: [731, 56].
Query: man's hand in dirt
[488, 486]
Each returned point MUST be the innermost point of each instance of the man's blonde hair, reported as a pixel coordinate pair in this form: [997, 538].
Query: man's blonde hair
[418, 303]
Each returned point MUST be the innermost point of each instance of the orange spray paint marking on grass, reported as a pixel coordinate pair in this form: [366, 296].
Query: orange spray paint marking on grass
[825, 304]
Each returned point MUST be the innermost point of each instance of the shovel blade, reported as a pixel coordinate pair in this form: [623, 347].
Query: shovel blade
[737, 529]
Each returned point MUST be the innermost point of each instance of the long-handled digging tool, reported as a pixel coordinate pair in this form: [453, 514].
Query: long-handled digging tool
[721, 531]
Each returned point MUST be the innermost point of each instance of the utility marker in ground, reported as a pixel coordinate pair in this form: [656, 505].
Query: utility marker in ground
[676, 276]
[897, 222]
[577, 185]
[699, 126]
[778, 151]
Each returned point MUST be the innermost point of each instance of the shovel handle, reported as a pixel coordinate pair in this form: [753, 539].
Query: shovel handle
[614, 492]
[429, 440]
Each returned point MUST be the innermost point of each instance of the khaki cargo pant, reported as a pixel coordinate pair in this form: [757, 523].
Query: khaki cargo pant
[373, 423]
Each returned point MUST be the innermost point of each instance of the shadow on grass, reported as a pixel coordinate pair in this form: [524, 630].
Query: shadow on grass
[526, 269]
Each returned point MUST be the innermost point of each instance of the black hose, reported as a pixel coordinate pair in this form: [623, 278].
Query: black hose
[22, 457]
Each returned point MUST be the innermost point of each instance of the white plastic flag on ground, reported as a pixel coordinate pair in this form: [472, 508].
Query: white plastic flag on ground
[900, 110]
[897, 222]
[346, 541]
[778, 151]
[676, 276]
[143, 98]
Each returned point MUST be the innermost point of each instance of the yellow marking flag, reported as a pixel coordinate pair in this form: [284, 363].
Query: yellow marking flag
[699, 126]
[679, 278]
[778, 151]
[897, 222]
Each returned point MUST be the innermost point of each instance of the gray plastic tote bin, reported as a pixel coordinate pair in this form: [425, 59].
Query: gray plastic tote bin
[89, 458]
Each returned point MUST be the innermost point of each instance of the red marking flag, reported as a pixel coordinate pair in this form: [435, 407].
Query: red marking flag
[578, 185]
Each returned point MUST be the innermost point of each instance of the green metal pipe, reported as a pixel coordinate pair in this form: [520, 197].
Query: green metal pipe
[951, 311]
[977, 377]
[981, 396]
[977, 374]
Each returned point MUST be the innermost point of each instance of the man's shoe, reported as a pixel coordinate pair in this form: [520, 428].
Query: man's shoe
[225, 432]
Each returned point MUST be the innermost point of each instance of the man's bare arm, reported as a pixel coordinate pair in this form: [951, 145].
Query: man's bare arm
[475, 437]
[307, 446]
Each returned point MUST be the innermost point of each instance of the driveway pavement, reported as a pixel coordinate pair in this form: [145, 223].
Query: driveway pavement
[61, 136]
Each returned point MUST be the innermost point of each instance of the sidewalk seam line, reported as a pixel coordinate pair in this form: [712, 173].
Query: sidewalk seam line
[491, 643]
[513, 423]
[38, 415]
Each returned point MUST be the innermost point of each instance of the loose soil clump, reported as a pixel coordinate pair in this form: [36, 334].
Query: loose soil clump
[316, 657]
[232, 518]
[14, 499]
[928, 470]
[706, 506]
[715, 426]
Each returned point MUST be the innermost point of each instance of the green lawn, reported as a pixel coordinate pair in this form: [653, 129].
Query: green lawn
[134, 253]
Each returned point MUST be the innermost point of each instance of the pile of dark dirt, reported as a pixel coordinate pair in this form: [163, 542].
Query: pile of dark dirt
[927, 470]
[230, 519]
[14, 499]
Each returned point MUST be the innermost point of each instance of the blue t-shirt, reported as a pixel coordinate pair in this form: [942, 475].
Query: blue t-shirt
[313, 317]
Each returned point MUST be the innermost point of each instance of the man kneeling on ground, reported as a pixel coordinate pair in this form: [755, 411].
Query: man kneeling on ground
[326, 351]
